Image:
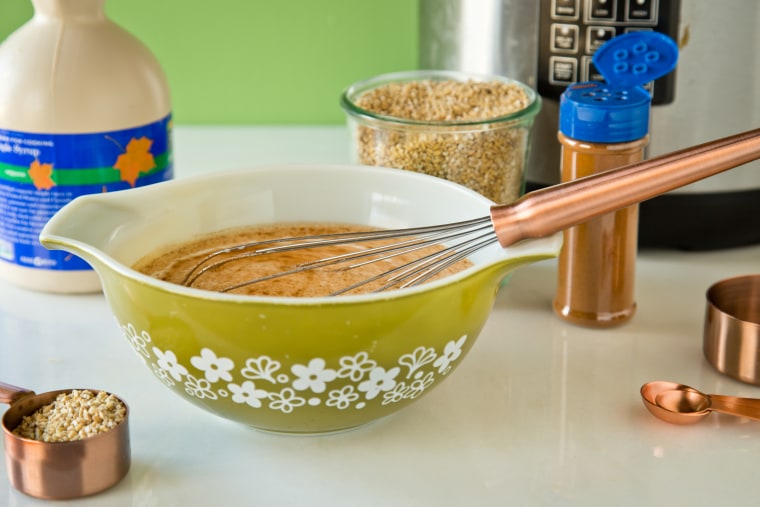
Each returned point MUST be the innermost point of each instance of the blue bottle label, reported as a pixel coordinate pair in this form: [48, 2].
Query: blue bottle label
[40, 173]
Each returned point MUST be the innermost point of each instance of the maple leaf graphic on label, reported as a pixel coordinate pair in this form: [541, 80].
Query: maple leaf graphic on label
[41, 175]
[135, 160]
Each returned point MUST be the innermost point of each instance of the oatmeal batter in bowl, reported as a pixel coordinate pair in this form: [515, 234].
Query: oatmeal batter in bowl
[214, 262]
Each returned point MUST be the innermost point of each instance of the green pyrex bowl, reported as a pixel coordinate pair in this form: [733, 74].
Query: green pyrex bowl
[291, 365]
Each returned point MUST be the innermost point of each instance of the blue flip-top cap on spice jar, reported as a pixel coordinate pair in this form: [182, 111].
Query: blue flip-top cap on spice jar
[617, 110]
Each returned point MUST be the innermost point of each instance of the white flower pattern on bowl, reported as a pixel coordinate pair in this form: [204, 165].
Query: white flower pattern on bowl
[263, 382]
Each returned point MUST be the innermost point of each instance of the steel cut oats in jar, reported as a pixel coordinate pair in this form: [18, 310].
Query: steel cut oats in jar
[472, 130]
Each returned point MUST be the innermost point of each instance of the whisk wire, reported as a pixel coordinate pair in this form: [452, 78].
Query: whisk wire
[396, 249]
[422, 237]
[422, 269]
[450, 261]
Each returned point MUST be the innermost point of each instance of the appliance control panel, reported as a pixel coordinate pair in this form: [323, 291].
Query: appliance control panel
[571, 30]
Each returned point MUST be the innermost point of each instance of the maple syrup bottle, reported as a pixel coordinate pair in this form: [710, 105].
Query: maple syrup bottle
[84, 108]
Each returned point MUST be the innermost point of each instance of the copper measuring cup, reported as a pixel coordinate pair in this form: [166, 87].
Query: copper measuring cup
[60, 470]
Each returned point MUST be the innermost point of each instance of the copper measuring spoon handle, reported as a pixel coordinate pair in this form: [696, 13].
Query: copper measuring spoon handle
[733, 405]
[9, 394]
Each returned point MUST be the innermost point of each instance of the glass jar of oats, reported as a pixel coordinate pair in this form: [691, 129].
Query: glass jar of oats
[470, 129]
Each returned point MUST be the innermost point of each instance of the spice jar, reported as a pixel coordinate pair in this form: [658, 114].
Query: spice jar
[603, 126]
[84, 108]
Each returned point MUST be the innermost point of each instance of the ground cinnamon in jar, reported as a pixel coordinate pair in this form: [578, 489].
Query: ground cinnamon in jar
[598, 258]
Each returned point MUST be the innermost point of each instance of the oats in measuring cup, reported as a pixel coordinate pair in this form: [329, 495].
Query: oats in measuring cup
[74, 415]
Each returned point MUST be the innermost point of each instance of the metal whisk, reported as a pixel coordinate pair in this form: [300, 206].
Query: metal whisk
[537, 214]
[470, 236]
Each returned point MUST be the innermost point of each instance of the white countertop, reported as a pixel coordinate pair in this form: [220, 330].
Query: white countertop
[540, 413]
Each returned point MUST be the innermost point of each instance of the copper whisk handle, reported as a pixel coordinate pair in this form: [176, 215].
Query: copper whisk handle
[552, 209]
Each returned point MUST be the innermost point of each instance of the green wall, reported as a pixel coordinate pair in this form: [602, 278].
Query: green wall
[262, 62]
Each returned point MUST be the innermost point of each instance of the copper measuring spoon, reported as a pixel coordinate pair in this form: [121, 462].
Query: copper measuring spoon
[681, 404]
[60, 470]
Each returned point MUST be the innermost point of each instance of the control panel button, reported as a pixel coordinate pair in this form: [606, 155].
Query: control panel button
[598, 35]
[565, 38]
[589, 72]
[563, 71]
[641, 10]
[565, 9]
[601, 10]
